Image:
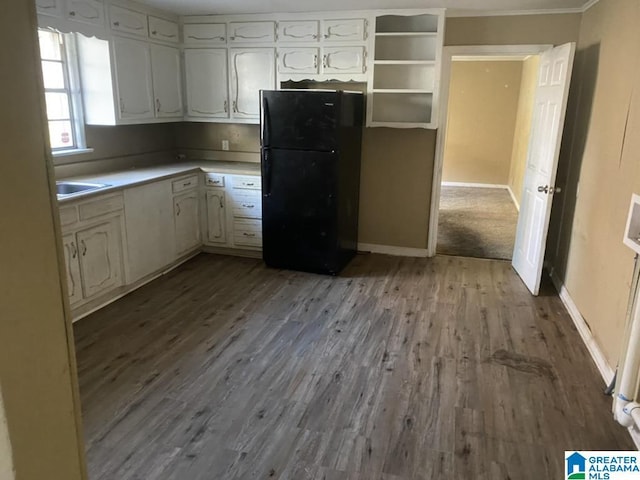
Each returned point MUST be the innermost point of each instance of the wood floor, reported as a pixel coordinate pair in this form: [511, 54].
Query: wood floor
[400, 369]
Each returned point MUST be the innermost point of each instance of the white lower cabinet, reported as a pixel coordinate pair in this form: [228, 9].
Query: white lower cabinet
[93, 260]
[216, 216]
[72, 266]
[100, 258]
[186, 214]
[150, 230]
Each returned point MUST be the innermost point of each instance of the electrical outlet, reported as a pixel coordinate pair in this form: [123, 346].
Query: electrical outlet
[225, 144]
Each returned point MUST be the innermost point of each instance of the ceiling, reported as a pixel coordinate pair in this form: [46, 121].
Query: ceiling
[469, 7]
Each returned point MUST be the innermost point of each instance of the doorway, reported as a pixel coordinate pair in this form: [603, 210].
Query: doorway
[489, 113]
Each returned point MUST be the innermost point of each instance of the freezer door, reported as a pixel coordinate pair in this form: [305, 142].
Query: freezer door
[299, 120]
[299, 210]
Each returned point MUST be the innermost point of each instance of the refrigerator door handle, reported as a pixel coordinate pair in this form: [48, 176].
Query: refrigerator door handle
[265, 122]
[266, 173]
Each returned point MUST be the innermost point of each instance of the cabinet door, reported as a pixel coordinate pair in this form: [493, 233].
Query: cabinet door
[252, 70]
[351, 29]
[186, 221]
[204, 33]
[216, 217]
[49, 7]
[298, 60]
[343, 60]
[252, 32]
[128, 21]
[72, 266]
[163, 30]
[150, 230]
[133, 78]
[87, 11]
[298, 31]
[207, 82]
[100, 258]
[165, 67]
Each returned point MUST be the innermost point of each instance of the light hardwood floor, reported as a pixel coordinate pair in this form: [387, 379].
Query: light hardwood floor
[400, 369]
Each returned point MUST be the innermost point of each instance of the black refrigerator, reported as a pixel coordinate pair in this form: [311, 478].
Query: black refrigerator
[310, 154]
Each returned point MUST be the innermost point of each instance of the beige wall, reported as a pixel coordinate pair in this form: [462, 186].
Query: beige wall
[209, 136]
[523, 125]
[483, 104]
[512, 30]
[599, 170]
[37, 362]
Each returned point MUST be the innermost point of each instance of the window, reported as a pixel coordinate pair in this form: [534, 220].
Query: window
[62, 95]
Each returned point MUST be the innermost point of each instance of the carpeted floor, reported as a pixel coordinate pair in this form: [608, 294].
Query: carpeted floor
[476, 222]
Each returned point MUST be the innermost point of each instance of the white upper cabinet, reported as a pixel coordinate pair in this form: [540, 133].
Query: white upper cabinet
[133, 79]
[127, 21]
[252, 70]
[87, 11]
[206, 74]
[346, 30]
[298, 31]
[167, 89]
[49, 7]
[163, 30]
[298, 60]
[204, 33]
[343, 60]
[252, 32]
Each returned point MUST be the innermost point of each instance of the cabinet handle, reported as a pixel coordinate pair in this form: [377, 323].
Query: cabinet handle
[248, 234]
[220, 200]
[249, 184]
[84, 248]
[315, 36]
[154, 32]
[177, 209]
[214, 182]
[186, 184]
[157, 105]
[226, 106]
[235, 106]
[74, 250]
[326, 35]
[315, 61]
[72, 13]
[121, 105]
[116, 24]
[232, 38]
[324, 61]
[248, 205]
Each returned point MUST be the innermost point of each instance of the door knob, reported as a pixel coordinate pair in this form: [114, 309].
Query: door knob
[549, 190]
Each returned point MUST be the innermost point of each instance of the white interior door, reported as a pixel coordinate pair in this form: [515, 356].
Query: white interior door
[551, 95]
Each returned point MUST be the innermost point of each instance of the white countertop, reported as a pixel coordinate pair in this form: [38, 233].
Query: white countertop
[128, 178]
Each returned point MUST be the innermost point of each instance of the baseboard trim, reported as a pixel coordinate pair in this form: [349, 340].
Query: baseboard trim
[391, 250]
[606, 371]
[474, 185]
[513, 197]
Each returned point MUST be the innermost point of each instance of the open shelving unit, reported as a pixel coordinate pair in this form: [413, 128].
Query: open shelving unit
[406, 66]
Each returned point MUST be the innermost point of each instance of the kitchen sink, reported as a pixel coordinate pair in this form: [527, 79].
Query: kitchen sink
[70, 188]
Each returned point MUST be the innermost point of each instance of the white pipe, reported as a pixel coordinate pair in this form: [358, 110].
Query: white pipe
[625, 410]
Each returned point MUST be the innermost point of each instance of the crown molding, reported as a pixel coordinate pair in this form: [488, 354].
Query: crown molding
[589, 4]
[451, 13]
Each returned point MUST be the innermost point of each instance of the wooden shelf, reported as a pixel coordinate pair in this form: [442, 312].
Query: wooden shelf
[404, 62]
[400, 90]
[406, 34]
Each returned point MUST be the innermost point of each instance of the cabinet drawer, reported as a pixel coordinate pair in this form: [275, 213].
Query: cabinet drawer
[68, 215]
[101, 207]
[247, 205]
[128, 21]
[247, 232]
[164, 30]
[252, 32]
[214, 180]
[247, 181]
[184, 184]
[204, 33]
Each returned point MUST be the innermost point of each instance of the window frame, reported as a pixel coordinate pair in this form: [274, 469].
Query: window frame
[72, 88]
